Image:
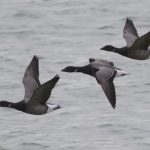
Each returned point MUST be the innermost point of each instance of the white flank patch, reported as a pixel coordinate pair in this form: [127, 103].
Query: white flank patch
[51, 107]
[120, 73]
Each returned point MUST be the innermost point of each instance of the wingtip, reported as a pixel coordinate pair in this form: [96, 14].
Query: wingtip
[34, 63]
[52, 82]
[91, 60]
[56, 77]
[35, 57]
[114, 107]
[129, 20]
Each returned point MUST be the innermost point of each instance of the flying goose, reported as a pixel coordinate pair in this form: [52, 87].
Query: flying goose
[104, 71]
[137, 47]
[36, 95]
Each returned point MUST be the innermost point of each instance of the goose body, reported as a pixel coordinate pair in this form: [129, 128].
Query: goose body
[137, 47]
[104, 71]
[36, 94]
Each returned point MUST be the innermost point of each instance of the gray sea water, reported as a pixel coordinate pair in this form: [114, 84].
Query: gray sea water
[68, 32]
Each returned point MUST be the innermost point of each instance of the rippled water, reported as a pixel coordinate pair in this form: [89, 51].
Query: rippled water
[68, 32]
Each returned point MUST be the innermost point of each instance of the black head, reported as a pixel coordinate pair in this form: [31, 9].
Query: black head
[69, 69]
[4, 103]
[108, 48]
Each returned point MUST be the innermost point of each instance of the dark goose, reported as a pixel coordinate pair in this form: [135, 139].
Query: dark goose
[104, 71]
[137, 47]
[36, 95]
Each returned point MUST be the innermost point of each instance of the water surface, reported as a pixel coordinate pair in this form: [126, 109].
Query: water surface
[68, 32]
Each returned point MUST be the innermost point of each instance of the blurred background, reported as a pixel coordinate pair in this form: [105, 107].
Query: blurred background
[68, 32]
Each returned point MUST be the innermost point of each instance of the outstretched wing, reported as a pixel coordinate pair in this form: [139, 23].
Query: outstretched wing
[105, 78]
[43, 92]
[130, 33]
[101, 61]
[142, 43]
[31, 78]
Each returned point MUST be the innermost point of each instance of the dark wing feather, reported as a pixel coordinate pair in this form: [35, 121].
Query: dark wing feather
[130, 33]
[31, 78]
[42, 93]
[142, 43]
[109, 90]
[105, 77]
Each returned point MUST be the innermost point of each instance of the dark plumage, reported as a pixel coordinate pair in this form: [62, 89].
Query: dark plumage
[36, 95]
[137, 47]
[104, 71]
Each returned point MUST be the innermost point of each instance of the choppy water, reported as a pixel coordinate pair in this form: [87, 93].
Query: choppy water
[68, 32]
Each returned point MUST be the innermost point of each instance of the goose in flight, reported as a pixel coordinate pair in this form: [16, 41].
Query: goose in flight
[104, 71]
[137, 47]
[36, 94]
